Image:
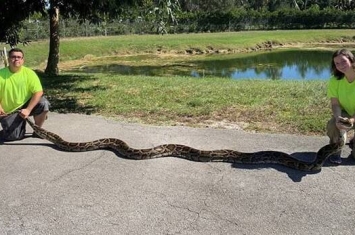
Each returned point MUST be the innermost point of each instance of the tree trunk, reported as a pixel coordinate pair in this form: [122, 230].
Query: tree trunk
[296, 5]
[53, 56]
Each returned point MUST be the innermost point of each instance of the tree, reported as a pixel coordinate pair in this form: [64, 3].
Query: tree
[84, 10]
[207, 5]
[12, 14]
[162, 13]
[53, 55]
[92, 10]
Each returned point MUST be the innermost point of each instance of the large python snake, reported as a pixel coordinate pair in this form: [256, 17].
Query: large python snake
[186, 152]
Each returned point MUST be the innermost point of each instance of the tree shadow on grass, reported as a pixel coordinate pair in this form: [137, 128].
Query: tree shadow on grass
[59, 89]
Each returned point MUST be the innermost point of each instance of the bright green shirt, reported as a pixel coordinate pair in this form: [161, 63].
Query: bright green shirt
[345, 92]
[17, 88]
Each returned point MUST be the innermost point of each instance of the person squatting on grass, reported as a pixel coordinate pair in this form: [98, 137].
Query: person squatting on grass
[21, 90]
[341, 91]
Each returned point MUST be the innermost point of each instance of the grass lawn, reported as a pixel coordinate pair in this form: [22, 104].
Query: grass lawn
[299, 107]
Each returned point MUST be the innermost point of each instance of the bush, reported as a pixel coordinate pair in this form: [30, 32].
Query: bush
[193, 22]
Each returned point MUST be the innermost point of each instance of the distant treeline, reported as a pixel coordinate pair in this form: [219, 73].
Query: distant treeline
[197, 22]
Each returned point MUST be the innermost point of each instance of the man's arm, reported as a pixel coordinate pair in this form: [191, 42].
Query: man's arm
[33, 102]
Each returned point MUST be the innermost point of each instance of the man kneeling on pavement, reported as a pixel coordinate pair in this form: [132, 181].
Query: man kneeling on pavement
[21, 94]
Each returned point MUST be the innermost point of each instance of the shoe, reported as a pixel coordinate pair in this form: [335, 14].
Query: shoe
[335, 159]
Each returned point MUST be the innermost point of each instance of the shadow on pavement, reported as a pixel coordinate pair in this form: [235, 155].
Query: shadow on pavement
[293, 174]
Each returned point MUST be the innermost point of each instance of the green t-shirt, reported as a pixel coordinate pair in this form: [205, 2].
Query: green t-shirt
[17, 88]
[345, 92]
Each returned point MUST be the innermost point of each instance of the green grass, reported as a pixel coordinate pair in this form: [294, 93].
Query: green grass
[268, 106]
[299, 107]
[76, 48]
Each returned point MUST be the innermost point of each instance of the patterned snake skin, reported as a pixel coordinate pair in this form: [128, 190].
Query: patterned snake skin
[186, 152]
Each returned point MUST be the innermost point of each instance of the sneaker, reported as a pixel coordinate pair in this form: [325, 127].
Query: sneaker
[335, 159]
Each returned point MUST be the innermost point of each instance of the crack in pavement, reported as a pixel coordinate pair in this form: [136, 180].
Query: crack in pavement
[102, 153]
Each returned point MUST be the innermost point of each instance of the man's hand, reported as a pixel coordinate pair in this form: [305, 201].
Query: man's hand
[344, 123]
[24, 113]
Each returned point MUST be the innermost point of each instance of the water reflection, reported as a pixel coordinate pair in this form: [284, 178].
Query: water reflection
[290, 65]
[283, 64]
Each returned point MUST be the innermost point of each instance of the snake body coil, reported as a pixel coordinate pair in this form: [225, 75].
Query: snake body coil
[186, 152]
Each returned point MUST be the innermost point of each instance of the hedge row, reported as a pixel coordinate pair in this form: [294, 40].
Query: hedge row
[234, 20]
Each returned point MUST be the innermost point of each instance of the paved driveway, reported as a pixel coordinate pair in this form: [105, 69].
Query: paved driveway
[48, 191]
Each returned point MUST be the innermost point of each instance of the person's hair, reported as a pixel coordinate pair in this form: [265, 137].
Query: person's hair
[347, 53]
[16, 50]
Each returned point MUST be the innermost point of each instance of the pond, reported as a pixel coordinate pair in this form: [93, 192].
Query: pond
[287, 65]
[274, 65]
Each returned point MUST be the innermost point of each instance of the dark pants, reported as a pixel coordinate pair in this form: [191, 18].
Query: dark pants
[14, 126]
[42, 106]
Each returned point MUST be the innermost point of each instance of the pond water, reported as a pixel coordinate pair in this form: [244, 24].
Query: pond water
[287, 65]
[274, 65]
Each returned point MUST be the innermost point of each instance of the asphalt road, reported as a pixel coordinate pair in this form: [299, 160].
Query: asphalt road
[48, 191]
